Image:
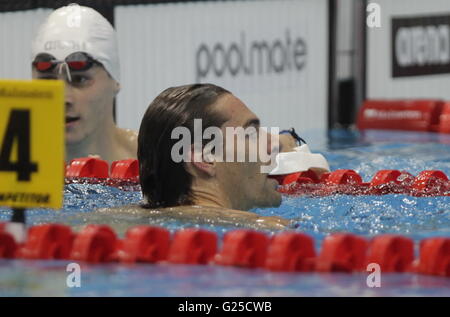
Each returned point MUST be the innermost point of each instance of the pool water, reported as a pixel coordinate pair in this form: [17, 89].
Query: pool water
[414, 217]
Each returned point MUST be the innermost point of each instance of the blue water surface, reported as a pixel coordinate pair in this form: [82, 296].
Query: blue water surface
[415, 217]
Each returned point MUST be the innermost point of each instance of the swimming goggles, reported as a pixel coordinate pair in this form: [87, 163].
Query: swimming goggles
[78, 61]
[292, 132]
[300, 159]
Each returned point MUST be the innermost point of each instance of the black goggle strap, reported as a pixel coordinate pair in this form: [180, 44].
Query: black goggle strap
[292, 132]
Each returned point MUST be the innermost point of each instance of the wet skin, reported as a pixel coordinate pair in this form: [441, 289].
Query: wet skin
[90, 128]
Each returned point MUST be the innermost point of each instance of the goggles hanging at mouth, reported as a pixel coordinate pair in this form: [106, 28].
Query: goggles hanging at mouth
[299, 160]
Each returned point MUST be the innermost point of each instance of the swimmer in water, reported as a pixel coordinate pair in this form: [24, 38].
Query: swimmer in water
[202, 190]
[78, 45]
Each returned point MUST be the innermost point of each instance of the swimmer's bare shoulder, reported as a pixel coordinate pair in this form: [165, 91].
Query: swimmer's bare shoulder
[128, 142]
[205, 215]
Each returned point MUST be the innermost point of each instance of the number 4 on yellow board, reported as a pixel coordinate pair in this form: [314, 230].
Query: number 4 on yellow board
[31, 143]
[17, 130]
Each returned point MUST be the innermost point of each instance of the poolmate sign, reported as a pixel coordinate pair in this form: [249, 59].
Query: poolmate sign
[31, 143]
[273, 55]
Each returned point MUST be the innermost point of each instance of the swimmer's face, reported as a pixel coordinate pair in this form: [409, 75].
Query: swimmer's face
[246, 186]
[89, 100]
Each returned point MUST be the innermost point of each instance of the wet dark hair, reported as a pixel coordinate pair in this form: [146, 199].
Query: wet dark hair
[164, 182]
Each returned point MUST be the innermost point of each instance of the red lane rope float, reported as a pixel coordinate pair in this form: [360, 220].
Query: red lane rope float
[283, 252]
[193, 246]
[124, 174]
[431, 182]
[291, 252]
[48, 241]
[95, 244]
[342, 252]
[435, 257]
[8, 245]
[87, 167]
[393, 253]
[144, 244]
[391, 182]
[125, 169]
[92, 167]
[243, 248]
[348, 182]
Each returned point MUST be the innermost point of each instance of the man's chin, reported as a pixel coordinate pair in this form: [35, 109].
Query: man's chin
[272, 199]
[274, 196]
[73, 140]
[277, 200]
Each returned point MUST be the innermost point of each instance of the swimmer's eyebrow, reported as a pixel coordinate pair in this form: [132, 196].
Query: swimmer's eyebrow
[254, 121]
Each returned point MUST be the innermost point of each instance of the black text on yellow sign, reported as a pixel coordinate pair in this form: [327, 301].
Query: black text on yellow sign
[31, 143]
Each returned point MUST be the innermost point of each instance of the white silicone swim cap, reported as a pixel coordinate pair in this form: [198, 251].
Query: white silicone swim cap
[299, 160]
[76, 28]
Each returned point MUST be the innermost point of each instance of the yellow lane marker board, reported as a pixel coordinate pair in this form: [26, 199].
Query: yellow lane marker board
[31, 143]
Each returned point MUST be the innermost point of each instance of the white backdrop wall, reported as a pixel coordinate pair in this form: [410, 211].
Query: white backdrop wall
[277, 55]
[277, 52]
[380, 83]
[17, 30]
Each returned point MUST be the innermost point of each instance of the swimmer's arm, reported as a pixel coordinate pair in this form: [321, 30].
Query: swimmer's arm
[239, 217]
[266, 221]
[205, 215]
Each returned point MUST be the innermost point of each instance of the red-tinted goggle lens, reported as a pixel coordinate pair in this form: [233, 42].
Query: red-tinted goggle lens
[44, 66]
[79, 61]
[79, 65]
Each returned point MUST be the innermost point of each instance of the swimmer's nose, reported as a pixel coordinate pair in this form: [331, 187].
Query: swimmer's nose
[68, 97]
[68, 105]
[273, 144]
[277, 146]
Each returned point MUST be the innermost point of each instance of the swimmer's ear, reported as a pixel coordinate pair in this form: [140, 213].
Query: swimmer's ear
[117, 88]
[205, 167]
[202, 162]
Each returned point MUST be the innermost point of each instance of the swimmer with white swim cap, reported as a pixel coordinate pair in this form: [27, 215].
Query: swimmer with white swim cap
[78, 45]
